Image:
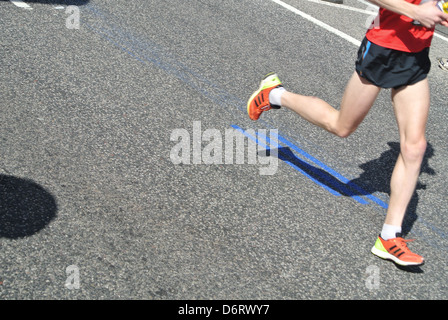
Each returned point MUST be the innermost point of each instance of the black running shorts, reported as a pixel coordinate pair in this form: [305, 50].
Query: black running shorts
[388, 68]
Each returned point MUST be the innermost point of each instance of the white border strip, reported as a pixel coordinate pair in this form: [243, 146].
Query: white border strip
[327, 27]
[367, 3]
[342, 6]
[20, 4]
[440, 36]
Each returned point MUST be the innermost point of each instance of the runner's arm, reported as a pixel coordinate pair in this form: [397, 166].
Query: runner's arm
[427, 14]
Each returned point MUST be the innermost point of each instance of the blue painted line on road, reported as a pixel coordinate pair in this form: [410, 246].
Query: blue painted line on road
[334, 173]
[288, 162]
[328, 175]
[325, 176]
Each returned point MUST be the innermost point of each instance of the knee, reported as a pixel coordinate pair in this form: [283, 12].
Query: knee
[344, 132]
[343, 128]
[413, 150]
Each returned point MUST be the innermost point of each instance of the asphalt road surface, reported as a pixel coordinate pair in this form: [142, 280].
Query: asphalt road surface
[118, 178]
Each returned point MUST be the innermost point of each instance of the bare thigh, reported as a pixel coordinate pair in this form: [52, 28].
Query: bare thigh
[358, 98]
[411, 105]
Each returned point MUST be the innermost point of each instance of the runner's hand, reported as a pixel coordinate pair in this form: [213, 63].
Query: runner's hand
[429, 15]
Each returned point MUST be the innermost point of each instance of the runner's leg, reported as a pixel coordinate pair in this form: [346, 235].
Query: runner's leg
[411, 104]
[358, 98]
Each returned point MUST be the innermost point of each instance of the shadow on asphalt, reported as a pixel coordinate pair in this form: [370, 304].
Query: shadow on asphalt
[375, 178]
[377, 174]
[25, 207]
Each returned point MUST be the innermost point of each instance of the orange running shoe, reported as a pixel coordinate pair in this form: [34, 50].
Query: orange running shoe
[396, 250]
[259, 100]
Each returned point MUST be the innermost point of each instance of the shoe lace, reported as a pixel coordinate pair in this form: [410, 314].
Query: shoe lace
[403, 243]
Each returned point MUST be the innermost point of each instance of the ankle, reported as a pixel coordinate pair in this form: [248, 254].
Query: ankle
[390, 231]
[275, 96]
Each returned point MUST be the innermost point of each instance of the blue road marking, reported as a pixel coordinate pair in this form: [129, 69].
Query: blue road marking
[326, 177]
[288, 162]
